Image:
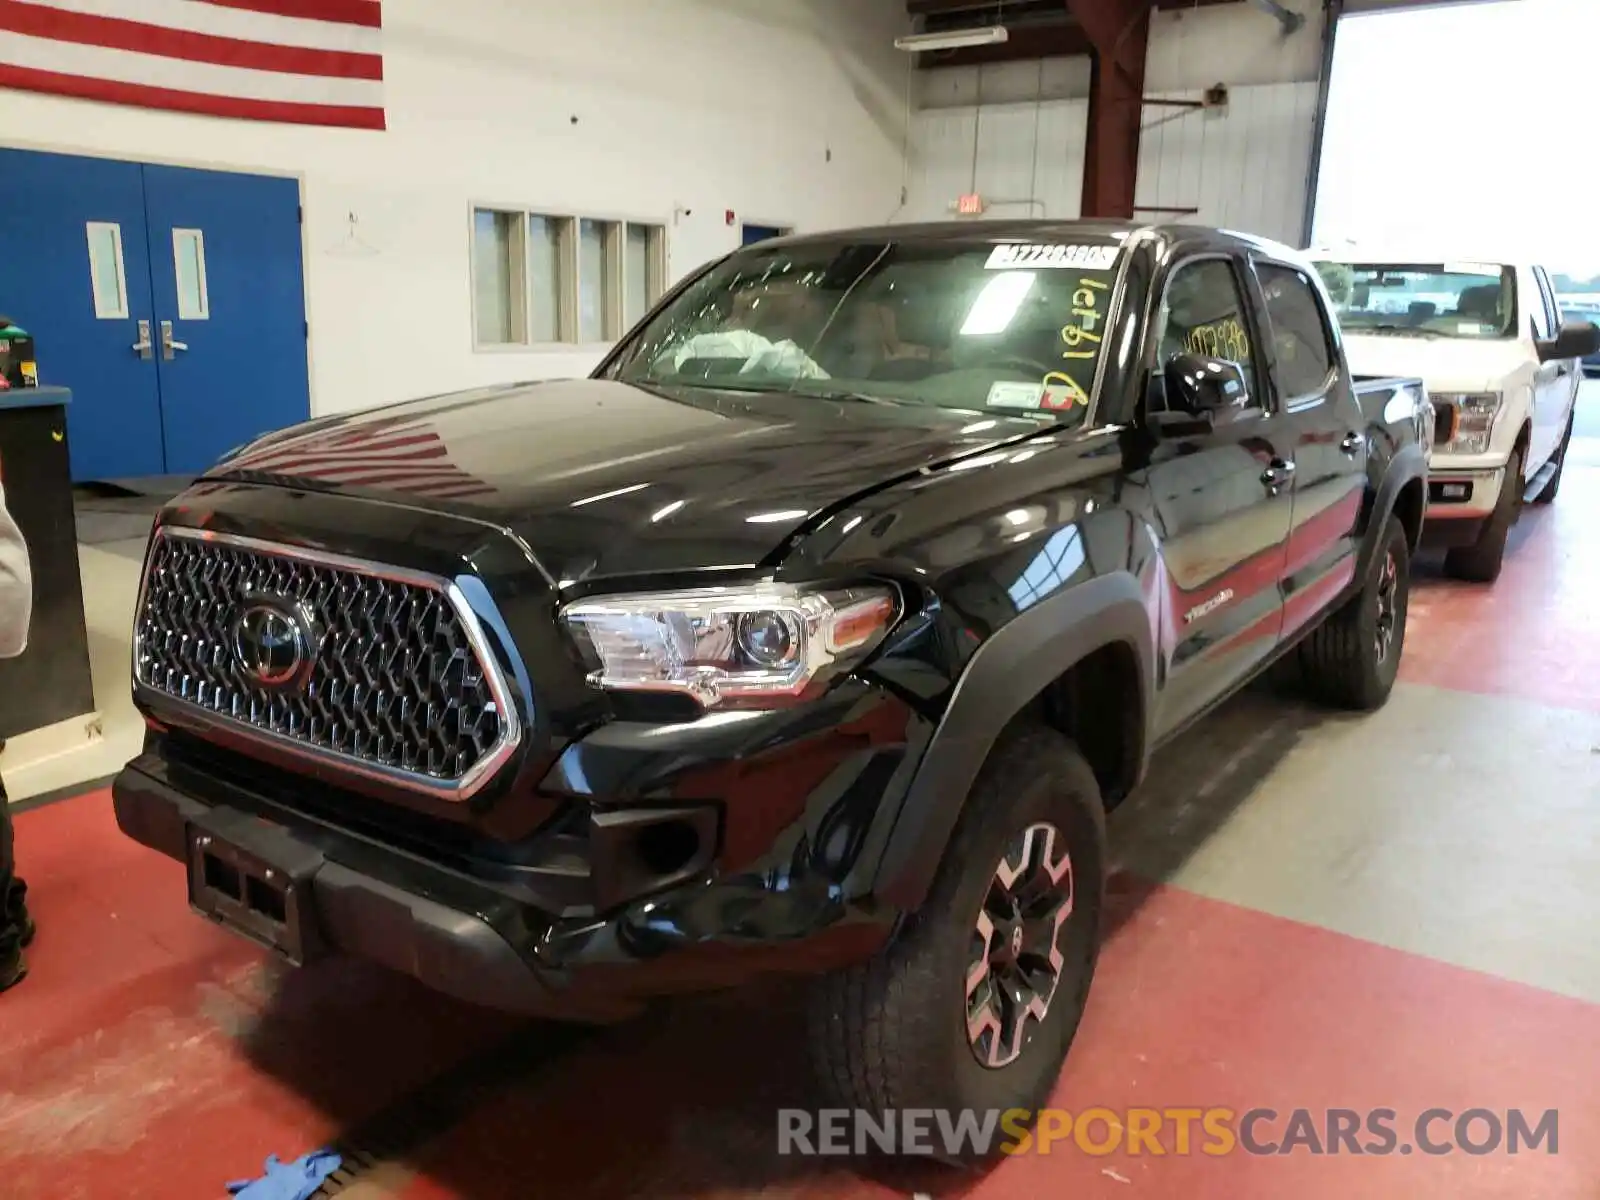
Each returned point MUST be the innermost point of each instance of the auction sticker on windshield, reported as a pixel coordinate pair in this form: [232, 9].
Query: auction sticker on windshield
[1013, 255]
[1014, 393]
[1058, 392]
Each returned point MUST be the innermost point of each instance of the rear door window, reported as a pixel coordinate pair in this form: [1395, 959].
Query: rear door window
[1302, 346]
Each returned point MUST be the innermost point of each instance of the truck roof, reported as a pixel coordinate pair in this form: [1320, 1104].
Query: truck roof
[1406, 254]
[1180, 236]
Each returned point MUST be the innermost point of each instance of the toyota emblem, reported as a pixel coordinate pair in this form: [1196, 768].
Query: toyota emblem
[274, 642]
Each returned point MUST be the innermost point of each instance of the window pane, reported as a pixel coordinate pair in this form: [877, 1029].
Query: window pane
[1540, 315]
[1465, 300]
[1552, 309]
[494, 277]
[189, 260]
[1205, 315]
[106, 280]
[544, 261]
[636, 274]
[592, 282]
[1299, 335]
[953, 324]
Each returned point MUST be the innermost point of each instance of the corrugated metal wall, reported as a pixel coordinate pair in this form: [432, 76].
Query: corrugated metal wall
[1244, 167]
[1024, 159]
[1016, 132]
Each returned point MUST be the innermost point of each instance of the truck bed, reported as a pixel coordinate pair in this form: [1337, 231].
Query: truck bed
[1394, 399]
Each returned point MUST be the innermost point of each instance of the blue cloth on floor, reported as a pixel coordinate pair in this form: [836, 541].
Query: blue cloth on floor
[288, 1181]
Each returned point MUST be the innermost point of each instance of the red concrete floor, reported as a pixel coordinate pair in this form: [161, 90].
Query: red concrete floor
[1530, 635]
[149, 1055]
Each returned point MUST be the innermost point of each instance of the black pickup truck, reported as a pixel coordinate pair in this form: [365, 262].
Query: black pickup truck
[813, 634]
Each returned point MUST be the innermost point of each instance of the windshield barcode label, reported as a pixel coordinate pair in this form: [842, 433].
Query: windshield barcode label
[1018, 254]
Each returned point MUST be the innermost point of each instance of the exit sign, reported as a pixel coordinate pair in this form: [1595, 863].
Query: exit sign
[970, 205]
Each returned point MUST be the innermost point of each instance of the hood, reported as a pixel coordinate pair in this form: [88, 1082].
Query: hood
[1444, 364]
[603, 478]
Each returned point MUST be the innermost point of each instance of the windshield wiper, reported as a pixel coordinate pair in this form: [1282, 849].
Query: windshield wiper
[782, 388]
[855, 397]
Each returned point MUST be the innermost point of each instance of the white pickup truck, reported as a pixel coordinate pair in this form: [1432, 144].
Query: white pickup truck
[1501, 369]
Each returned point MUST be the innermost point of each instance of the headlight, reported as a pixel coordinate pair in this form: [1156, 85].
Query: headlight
[1474, 420]
[752, 646]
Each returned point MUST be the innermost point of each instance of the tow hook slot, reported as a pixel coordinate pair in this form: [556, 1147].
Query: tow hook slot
[640, 850]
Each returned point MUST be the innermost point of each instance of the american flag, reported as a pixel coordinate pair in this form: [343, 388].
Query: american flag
[395, 455]
[305, 62]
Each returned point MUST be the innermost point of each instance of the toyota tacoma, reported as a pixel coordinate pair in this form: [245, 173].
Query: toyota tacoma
[813, 634]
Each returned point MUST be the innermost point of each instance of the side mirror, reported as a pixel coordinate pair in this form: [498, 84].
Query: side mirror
[1575, 339]
[1198, 383]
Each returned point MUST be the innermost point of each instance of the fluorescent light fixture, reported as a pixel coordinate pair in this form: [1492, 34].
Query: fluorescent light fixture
[953, 39]
[661, 514]
[770, 518]
[638, 487]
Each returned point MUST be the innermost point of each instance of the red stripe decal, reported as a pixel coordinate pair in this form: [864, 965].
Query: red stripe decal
[223, 52]
[110, 92]
[369, 477]
[369, 440]
[117, 34]
[307, 458]
[340, 12]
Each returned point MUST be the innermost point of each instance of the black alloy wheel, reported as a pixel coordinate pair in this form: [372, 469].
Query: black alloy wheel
[1386, 618]
[1016, 961]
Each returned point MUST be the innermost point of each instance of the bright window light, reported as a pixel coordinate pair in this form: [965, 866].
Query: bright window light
[997, 304]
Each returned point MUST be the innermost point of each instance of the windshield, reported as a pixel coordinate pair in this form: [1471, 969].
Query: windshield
[1459, 300]
[955, 325]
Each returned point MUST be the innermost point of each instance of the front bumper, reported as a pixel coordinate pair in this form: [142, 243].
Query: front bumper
[479, 938]
[1462, 496]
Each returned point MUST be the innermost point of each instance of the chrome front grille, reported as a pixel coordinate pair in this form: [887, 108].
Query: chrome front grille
[396, 683]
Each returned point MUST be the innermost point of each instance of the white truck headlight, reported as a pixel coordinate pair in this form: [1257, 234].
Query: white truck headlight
[753, 647]
[1474, 420]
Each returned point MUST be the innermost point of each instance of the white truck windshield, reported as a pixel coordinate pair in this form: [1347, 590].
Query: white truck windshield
[1459, 300]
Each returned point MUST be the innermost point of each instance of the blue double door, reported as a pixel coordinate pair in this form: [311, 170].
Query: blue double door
[171, 301]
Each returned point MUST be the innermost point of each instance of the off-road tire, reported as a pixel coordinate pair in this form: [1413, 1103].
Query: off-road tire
[891, 1033]
[1481, 561]
[1339, 660]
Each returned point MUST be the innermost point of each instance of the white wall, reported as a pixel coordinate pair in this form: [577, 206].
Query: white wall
[1244, 167]
[786, 112]
[1026, 160]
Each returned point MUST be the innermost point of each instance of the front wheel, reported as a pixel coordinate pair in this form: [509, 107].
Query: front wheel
[976, 1001]
[1481, 562]
[1351, 659]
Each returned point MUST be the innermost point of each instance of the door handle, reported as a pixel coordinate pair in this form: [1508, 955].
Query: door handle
[143, 346]
[1352, 443]
[168, 345]
[1278, 473]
